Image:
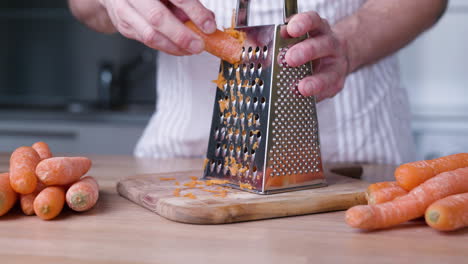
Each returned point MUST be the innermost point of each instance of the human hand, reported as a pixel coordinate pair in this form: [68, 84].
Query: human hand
[159, 24]
[329, 53]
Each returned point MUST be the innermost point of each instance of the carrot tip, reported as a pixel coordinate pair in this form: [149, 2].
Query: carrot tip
[79, 199]
[45, 209]
[433, 216]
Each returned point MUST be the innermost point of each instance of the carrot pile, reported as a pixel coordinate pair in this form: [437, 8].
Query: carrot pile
[436, 189]
[194, 183]
[43, 184]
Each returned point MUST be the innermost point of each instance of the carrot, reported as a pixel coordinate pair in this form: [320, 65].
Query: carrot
[23, 162]
[449, 213]
[83, 195]
[42, 149]
[381, 192]
[224, 45]
[49, 202]
[412, 174]
[27, 200]
[7, 195]
[411, 205]
[62, 170]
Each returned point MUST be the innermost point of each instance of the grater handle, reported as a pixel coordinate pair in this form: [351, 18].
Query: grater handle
[289, 9]
[242, 13]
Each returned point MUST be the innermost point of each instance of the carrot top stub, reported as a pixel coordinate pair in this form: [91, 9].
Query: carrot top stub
[226, 45]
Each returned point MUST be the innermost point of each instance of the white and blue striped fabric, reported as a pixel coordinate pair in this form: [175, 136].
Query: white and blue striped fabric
[368, 121]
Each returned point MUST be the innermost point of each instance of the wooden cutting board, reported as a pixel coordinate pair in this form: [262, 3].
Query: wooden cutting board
[157, 195]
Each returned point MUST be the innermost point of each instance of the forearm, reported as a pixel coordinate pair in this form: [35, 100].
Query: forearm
[381, 27]
[92, 14]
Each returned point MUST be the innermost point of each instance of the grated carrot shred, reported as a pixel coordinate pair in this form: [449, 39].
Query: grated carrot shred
[177, 192]
[166, 179]
[190, 195]
[193, 178]
[245, 186]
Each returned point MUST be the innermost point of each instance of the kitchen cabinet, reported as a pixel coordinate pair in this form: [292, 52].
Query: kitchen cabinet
[75, 134]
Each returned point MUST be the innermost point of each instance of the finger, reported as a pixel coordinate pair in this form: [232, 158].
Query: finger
[318, 83]
[162, 20]
[202, 17]
[302, 23]
[311, 49]
[132, 25]
[114, 19]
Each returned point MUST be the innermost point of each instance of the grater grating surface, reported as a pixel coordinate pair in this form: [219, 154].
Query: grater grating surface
[264, 133]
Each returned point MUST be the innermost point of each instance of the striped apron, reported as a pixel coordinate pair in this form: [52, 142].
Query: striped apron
[368, 121]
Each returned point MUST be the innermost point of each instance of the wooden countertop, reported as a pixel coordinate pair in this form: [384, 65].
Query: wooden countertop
[118, 231]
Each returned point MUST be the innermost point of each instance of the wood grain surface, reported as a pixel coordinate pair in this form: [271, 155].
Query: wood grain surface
[119, 231]
[156, 194]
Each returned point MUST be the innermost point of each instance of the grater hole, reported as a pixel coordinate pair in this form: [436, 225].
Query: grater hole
[250, 52]
[252, 151]
[255, 100]
[259, 134]
[260, 82]
[256, 117]
[254, 169]
[251, 66]
[257, 49]
[263, 100]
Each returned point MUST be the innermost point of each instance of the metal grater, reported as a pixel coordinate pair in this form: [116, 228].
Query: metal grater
[264, 134]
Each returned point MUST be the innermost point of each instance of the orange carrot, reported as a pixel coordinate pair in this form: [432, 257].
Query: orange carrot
[49, 203]
[224, 45]
[449, 213]
[381, 192]
[83, 194]
[27, 200]
[62, 170]
[411, 205]
[42, 149]
[7, 195]
[412, 174]
[23, 162]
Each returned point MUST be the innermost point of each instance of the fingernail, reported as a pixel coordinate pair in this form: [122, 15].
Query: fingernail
[294, 57]
[308, 89]
[296, 28]
[209, 27]
[196, 46]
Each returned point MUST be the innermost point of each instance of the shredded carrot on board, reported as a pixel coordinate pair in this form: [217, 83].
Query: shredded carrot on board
[190, 195]
[193, 184]
[245, 186]
[177, 192]
[193, 178]
[211, 182]
[222, 194]
[177, 183]
[166, 179]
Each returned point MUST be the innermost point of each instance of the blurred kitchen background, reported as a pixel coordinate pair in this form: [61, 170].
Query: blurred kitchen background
[89, 93]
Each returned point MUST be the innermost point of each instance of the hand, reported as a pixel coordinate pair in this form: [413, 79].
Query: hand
[331, 64]
[159, 24]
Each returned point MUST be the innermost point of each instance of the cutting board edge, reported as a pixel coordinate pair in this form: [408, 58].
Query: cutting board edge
[231, 214]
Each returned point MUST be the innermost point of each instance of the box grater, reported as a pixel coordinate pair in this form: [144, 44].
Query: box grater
[264, 134]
